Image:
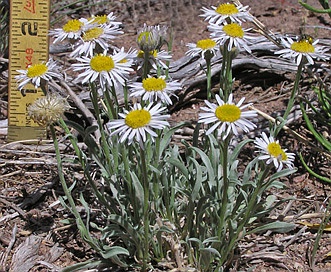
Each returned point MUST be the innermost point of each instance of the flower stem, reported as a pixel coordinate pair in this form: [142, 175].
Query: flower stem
[295, 89]
[292, 96]
[234, 237]
[80, 224]
[321, 229]
[145, 208]
[225, 187]
[228, 76]
[83, 161]
[226, 73]
[103, 140]
[110, 102]
[146, 64]
[208, 57]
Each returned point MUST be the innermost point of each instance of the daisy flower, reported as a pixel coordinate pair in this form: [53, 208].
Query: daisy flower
[228, 116]
[109, 70]
[151, 38]
[202, 47]
[304, 48]
[139, 122]
[155, 59]
[104, 19]
[73, 29]
[232, 33]
[272, 152]
[36, 72]
[98, 35]
[225, 13]
[130, 57]
[154, 88]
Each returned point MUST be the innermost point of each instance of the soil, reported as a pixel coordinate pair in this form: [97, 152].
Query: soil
[29, 207]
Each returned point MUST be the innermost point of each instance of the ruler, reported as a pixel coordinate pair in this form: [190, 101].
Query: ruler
[28, 44]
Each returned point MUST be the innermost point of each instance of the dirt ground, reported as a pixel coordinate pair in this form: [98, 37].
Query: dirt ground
[30, 213]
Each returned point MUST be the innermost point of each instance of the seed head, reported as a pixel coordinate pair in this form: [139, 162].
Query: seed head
[48, 109]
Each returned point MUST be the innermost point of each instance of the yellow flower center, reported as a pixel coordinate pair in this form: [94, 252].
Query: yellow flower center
[92, 34]
[73, 25]
[153, 84]
[36, 70]
[100, 19]
[234, 30]
[138, 118]
[141, 54]
[101, 63]
[275, 150]
[206, 44]
[228, 113]
[303, 47]
[153, 53]
[227, 9]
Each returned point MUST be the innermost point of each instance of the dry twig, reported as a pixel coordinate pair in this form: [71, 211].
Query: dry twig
[5, 255]
[81, 106]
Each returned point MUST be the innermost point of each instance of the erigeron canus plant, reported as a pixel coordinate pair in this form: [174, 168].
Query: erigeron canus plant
[229, 203]
[302, 52]
[154, 202]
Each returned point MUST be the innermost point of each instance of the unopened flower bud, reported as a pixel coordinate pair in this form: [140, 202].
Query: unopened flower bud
[151, 38]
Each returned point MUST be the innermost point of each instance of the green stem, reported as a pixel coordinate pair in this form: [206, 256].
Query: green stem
[295, 89]
[75, 146]
[126, 96]
[61, 176]
[224, 192]
[326, 220]
[115, 99]
[111, 111]
[310, 171]
[82, 160]
[208, 56]
[313, 9]
[157, 162]
[145, 209]
[80, 223]
[226, 73]
[292, 96]
[228, 76]
[222, 72]
[208, 63]
[234, 237]
[103, 140]
[146, 64]
[126, 163]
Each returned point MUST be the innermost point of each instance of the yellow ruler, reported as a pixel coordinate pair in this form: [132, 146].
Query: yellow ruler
[28, 44]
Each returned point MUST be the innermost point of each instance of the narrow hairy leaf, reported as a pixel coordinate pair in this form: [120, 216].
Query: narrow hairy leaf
[207, 163]
[109, 252]
[278, 226]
